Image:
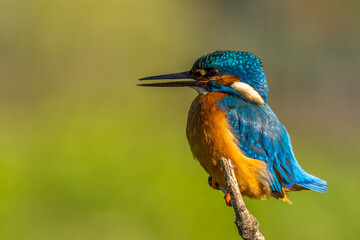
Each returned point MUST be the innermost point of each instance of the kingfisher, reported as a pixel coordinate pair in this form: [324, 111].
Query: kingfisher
[231, 118]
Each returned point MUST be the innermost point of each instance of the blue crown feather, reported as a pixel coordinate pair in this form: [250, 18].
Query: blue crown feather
[240, 64]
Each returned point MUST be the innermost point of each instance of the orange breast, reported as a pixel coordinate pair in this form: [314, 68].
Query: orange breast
[210, 138]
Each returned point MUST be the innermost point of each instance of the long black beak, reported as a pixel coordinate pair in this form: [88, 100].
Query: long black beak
[181, 75]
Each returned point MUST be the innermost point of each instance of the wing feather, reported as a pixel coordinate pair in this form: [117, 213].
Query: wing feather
[261, 136]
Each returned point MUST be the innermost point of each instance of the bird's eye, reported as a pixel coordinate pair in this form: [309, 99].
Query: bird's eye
[211, 72]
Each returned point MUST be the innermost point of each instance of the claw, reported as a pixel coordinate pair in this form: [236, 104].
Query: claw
[213, 183]
[227, 198]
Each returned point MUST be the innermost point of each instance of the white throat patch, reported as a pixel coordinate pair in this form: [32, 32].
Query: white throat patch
[247, 91]
[200, 90]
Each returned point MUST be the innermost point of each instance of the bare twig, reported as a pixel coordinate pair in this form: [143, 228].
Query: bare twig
[246, 223]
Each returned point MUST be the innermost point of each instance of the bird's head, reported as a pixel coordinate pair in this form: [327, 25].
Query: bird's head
[232, 72]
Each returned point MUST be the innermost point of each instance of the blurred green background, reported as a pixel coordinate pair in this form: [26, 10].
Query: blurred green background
[85, 154]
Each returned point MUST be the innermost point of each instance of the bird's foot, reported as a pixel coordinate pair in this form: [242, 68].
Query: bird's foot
[213, 183]
[227, 198]
[215, 186]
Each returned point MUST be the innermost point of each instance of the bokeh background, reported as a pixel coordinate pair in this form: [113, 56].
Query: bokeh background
[85, 154]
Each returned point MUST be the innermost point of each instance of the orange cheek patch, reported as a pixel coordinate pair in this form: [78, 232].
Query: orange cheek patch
[225, 80]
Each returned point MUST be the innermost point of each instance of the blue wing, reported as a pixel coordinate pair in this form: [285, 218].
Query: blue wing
[261, 136]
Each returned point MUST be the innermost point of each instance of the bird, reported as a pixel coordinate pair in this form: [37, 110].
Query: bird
[230, 118]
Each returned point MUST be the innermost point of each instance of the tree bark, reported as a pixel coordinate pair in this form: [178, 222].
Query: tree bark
[246, 223]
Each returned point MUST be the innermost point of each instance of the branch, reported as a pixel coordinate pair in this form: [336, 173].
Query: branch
[246, 223]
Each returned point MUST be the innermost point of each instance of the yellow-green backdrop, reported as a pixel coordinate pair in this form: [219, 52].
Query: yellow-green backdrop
[85, 154]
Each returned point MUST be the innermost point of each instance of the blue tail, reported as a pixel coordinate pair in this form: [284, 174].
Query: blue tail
[307, 180]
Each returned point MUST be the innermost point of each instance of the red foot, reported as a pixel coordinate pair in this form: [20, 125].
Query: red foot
[227, 198]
